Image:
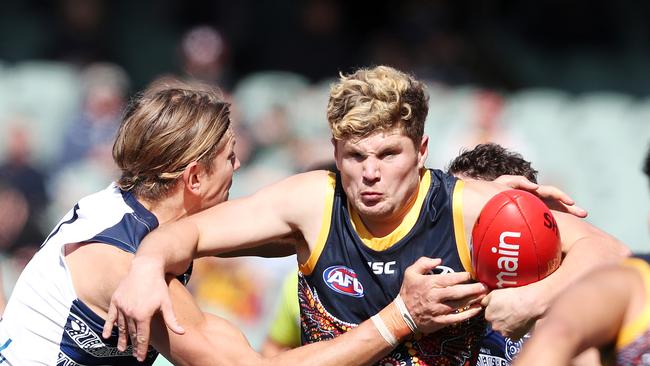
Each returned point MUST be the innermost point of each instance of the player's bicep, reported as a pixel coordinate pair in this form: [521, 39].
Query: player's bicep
[274, 212]
[208, 339]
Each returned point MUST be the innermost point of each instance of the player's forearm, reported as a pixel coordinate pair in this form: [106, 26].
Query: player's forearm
[170, 248]
[360, 346]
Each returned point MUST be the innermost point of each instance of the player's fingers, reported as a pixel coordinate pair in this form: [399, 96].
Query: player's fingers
[133, 330]
[464, 293]
[554, 193]
[563, 207]
[486, 300]
[170, 318]
[110, 320]
[516, 181]
[576, 211]
[450, 279]
[465, 302]
[121, 332]
[459, 315]
[424, 265]
[556, 199]
[140, 339]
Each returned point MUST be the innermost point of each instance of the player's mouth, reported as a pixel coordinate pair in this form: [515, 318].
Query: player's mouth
[371, 197]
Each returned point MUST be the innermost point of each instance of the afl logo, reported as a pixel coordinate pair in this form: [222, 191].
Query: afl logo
[343, 280]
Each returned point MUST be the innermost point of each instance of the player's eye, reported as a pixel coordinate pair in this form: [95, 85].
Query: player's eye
[356, 156]
[388, 154]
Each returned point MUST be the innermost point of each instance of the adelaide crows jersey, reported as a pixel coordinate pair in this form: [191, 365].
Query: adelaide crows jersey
[352, 275]
[44, 322]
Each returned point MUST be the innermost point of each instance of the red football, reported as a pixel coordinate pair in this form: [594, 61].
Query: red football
[515, 241]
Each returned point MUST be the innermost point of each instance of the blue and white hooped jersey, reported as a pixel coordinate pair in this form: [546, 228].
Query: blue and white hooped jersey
[44, 322]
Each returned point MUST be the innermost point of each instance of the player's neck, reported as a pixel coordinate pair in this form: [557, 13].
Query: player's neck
[166, 210]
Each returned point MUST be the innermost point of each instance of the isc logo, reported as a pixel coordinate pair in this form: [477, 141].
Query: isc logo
[343, 280]
[382, 267]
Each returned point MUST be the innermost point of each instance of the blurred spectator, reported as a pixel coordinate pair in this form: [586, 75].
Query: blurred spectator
[104, 95]
[18, 170]
[205, 56]
[484, 124]
[20, 237]
[23, 200]
[261, 108]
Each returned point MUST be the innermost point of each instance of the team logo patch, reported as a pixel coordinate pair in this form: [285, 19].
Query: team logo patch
[514, 347]
[343, 280]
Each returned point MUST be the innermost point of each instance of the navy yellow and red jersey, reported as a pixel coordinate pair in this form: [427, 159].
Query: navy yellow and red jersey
[352, 275]
[633, 342]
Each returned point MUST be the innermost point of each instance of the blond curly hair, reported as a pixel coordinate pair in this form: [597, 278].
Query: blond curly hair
[377, 99]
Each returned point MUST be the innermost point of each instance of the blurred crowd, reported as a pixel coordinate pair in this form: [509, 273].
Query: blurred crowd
[59, 114]
[58, 122]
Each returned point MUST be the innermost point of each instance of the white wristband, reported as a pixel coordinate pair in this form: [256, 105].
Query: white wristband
[408, 319]
[383, 330]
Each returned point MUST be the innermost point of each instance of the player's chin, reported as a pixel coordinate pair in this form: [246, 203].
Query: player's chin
[375, 209]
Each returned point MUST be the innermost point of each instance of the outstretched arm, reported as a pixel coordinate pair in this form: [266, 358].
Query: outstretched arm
[588, 313]
[431, 302]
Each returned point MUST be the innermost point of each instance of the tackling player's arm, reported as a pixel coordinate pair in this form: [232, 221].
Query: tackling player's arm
[210, 340]
[294, 205]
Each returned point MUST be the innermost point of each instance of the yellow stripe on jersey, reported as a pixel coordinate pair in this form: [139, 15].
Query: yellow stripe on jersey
[307, 267]
[631, 331]
[459, 227]
[404, 227]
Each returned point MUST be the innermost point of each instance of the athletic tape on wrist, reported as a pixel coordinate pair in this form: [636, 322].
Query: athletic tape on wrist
[384, 331]
[408, 319]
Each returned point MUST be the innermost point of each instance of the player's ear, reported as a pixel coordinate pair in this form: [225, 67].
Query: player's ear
[192, 178]
[423, 151]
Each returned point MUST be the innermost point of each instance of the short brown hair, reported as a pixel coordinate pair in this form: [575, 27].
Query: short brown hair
[164, 129]
[379, 98]
[489, 162]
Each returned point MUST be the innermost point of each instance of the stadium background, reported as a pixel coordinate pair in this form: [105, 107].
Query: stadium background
[565, 83]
